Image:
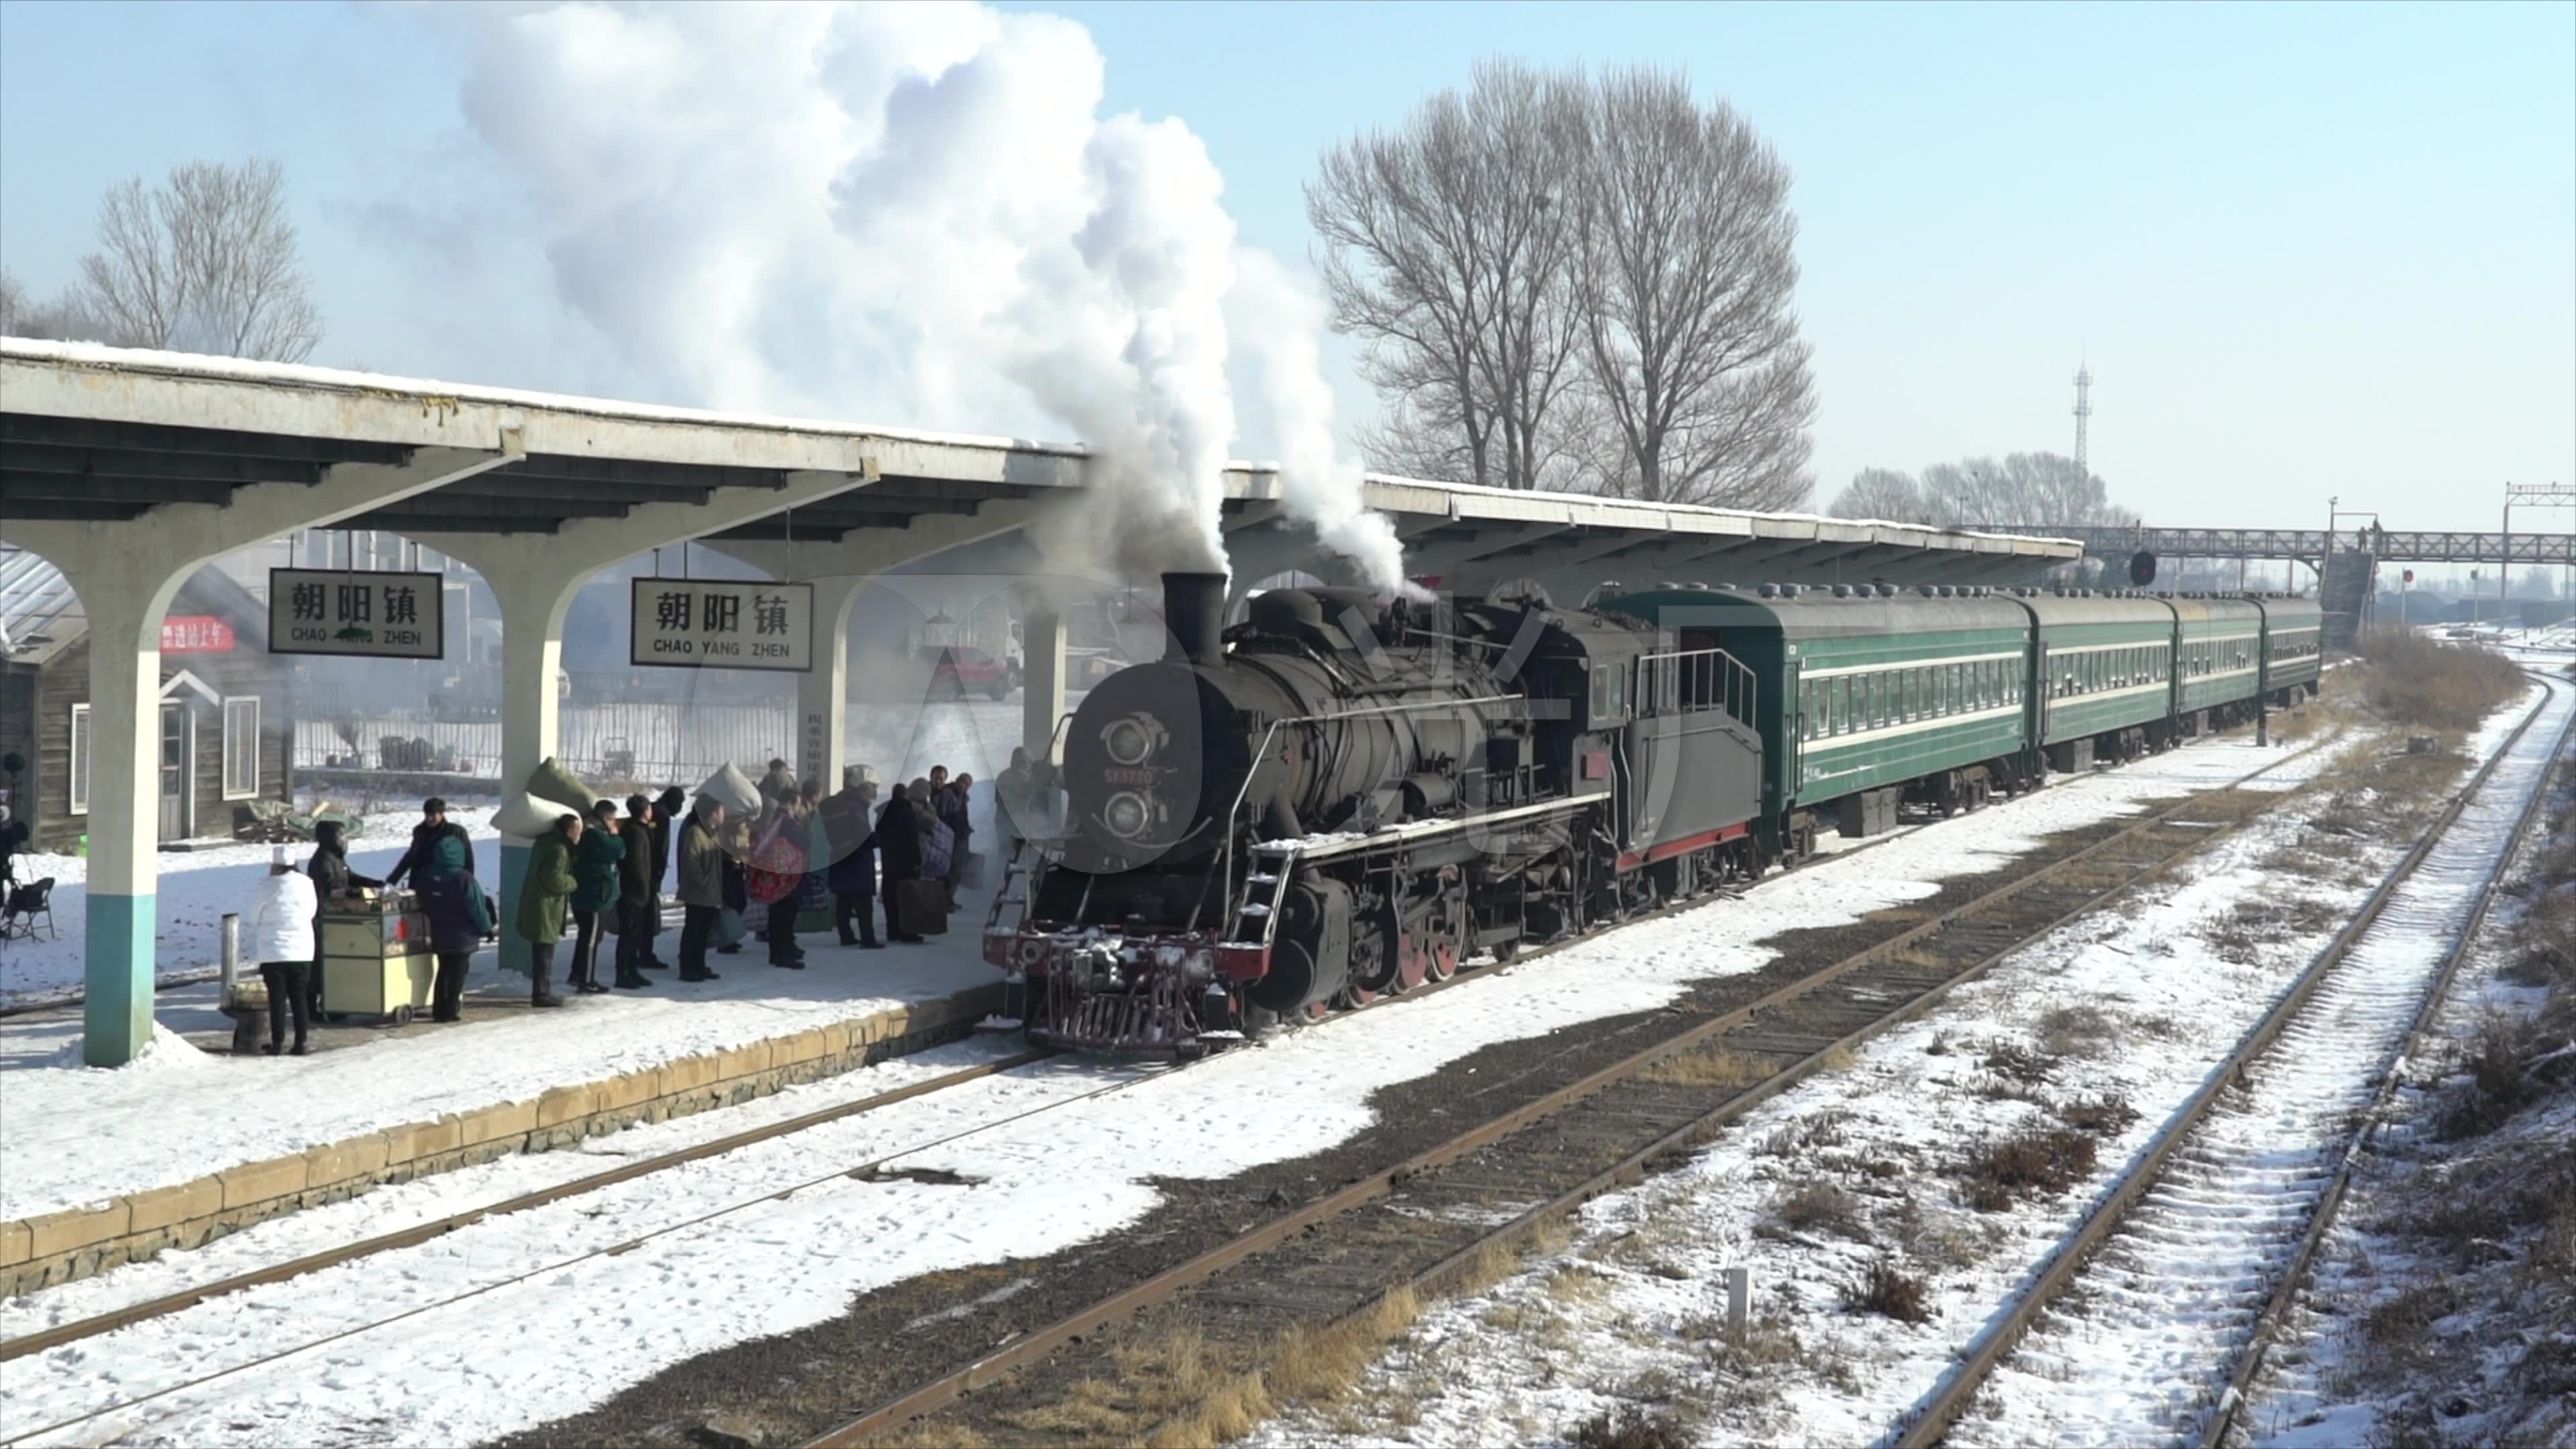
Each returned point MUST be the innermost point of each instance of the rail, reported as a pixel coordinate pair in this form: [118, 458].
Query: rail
[1027, 1348]
[1951, 1399]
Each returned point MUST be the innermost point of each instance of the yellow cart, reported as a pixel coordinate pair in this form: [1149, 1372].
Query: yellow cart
[376, 958]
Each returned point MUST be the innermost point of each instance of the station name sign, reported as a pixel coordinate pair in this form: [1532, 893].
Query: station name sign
[723, 624]
[336, 611]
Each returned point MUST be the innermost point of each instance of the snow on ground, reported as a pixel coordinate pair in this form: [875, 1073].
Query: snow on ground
[1814, 1187]
[71, 1135]
[196, 890]
[2167, 1300]
[2345, 1373]
[1035, 1184]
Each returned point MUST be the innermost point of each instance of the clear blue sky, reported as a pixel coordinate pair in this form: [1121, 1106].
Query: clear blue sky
[2308, 249]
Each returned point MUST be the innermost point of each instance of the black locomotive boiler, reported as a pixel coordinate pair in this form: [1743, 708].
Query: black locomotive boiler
[1343, 797]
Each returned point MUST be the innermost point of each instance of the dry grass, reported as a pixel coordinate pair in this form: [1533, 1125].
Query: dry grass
[2029, 1163]
[1809, 1133]
[1714, 1067]
[931, 1434]
[1632, 1426]
[1818, 1207]
[1889, 1291]
[2424, 683]
[2066, 1031]
[2016, 1063]
[2103, 1116]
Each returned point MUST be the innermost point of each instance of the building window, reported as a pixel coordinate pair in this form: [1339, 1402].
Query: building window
[79, 804]
[241, 748]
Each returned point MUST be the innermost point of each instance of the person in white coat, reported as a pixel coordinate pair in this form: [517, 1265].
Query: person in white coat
[280, 939]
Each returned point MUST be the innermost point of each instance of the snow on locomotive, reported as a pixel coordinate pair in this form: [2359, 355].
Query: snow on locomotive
[1343, 797]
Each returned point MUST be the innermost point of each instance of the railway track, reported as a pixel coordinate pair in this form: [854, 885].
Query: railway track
[1425, 1224]
[1780, 1023]
[2192, 1257]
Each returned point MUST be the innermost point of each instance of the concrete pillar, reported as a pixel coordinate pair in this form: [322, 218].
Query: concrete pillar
[126, 573]
[534, 599]
[823, 693]
[1041, 680]
[125, 604]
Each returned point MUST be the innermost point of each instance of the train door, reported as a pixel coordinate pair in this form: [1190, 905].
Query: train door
[1793, 723]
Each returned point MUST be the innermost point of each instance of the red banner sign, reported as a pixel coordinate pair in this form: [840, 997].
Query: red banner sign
[196, 634]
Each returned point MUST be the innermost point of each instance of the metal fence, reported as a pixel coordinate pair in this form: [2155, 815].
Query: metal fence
[657, 742]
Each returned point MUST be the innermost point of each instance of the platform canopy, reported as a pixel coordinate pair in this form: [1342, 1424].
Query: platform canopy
[1470, 538]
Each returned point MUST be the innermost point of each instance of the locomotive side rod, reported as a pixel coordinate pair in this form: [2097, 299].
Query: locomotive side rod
[1032, 1347]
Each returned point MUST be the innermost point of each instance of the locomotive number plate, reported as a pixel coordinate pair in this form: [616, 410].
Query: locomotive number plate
[1116, 776]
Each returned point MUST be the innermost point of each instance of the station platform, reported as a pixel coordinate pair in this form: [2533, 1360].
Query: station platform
[188, 1142]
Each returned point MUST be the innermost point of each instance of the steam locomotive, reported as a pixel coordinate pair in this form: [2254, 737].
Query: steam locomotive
[1344, 797]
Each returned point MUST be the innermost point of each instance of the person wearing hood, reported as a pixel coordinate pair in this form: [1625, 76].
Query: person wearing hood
[460, 916]
[594, 892]
[278, 934]
[543, 894]
[331, 877]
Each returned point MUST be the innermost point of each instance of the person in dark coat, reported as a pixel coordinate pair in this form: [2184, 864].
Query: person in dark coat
[898, 859]
[957, 815]
[434, 826]
[594, 892]
[736, 841]
[852, 834]
[637, 913]
[460, 916]
[701, 886]
[331, 878]
[667, 810]
[543, 894]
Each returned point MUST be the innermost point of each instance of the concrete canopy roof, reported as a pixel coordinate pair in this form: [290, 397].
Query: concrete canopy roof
[102, 434]
[1470, 534]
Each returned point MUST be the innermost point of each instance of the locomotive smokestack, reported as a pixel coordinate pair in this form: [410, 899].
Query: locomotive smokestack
[1194, 607]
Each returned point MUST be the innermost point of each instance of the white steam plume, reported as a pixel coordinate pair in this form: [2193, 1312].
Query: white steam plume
[915, 215]
[1280, 321]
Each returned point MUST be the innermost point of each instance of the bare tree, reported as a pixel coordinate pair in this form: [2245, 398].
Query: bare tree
[1883, 494]
[1449, 248]
[204, 262]
[2023, 489]
[1683, 287]
[63, 318]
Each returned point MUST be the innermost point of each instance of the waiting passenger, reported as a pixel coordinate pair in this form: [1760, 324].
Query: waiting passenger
[544, 892]
[460, 916]
[281, 941]
[594, 892]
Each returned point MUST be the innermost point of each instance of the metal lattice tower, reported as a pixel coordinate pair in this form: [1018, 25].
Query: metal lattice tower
[2083, 410]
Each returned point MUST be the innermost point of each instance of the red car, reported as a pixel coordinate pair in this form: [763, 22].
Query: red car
[957, 671]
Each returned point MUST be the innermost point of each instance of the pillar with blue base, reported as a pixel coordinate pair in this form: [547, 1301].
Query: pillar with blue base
[121, 953]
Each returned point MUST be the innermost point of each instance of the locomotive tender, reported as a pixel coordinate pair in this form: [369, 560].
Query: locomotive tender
[1344, 797]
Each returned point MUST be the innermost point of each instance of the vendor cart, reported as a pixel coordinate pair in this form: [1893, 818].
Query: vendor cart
[376, 957]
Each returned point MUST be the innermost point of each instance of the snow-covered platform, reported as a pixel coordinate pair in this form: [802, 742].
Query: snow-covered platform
[188, 1142]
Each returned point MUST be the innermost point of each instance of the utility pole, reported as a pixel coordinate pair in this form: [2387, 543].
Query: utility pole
[2083, 411]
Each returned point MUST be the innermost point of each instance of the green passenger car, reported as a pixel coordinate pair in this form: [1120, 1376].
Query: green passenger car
[2220, 666]
[2293, 643]
[1864, 692]
[2104, 675]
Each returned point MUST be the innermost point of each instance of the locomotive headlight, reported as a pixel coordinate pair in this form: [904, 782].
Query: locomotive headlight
[1128, 741]
[1126, 814]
